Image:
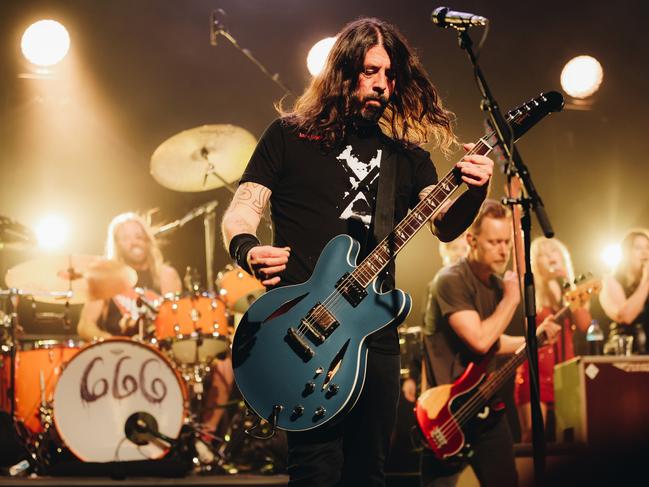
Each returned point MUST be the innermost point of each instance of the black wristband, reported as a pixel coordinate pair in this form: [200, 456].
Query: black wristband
[240, 245]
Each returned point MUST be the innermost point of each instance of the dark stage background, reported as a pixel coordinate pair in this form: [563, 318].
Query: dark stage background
[141, 71]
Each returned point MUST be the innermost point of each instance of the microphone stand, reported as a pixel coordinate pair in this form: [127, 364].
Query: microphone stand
[207, 211]
[217, 27]
[532, 201]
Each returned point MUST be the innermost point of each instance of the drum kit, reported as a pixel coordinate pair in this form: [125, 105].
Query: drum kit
[120, 398]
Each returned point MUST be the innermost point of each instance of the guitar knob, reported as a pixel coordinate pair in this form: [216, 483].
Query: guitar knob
[298, 410]
[334, 388]
[309, 387]
[320, 412]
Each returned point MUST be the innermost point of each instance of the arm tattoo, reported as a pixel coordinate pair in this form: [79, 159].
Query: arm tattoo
[251, 197]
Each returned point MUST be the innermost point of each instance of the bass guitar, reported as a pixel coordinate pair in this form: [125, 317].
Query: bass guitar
[299, 351]
[451, 414]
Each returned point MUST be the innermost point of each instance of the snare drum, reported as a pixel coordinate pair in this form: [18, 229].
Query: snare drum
[193, 328]
[107, 383]
[39, 365]
[238, 289]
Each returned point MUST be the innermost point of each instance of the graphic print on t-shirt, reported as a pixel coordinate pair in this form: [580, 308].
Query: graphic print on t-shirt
[128, 303]
[359, 201]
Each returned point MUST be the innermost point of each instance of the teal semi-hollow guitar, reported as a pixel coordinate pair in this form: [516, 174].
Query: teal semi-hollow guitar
[299, 352]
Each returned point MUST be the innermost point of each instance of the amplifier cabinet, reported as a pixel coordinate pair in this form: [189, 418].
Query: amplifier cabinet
[600, 399]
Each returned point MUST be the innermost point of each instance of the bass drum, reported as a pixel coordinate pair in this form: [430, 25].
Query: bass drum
[105, 385]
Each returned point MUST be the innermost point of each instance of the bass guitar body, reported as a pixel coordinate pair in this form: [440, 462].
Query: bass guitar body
[299, 353]
[447, 414]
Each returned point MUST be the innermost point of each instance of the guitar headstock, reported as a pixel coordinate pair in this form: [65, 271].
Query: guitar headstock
[581, 291]
[525, 116]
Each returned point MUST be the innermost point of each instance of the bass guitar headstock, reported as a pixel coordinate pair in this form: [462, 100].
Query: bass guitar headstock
[579, 294]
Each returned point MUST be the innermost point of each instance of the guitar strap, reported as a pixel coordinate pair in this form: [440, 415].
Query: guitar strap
[384, 213]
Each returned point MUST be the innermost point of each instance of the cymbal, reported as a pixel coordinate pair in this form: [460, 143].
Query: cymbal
[88, 277]
[14, 234]
[202, 158]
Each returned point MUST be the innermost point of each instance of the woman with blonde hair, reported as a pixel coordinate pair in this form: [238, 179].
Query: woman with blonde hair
[552, 266]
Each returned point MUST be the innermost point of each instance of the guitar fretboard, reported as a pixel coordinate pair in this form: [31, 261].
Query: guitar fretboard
[390, 246]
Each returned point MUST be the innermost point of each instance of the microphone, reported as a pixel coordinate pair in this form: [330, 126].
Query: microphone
[443, 17]
[216, 25]
[141, 428]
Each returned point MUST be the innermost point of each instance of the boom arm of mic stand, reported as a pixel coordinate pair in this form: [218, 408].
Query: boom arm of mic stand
[246, 52]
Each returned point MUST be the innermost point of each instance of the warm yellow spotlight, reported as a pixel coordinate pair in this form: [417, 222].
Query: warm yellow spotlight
[52, 232]
[317, 56]
[611, 255]
[45, 43]
[581, 76]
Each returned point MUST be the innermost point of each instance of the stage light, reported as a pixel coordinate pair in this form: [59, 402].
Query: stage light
[52, 232]
[45, 43]
[611, 255]
[582, 76]
[317, 56]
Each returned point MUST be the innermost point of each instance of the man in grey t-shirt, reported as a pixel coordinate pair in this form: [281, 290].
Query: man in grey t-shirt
[468, 310]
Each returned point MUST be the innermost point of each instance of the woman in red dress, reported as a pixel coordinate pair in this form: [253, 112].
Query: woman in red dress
[551, 265]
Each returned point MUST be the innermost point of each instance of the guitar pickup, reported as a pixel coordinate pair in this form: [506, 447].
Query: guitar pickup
[351, 289]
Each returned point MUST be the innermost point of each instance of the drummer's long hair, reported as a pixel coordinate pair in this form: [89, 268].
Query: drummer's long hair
[154, 255]
[414, 114]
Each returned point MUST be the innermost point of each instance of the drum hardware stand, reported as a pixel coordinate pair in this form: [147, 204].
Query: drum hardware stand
[12, 311]
[146, 332]
[205, 457]
[207, 211]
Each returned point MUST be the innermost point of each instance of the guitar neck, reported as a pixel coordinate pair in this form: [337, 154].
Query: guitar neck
[391, 245]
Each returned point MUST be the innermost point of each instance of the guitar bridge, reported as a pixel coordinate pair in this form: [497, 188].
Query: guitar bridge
[351, 289]
[438, 437]
[299, 345]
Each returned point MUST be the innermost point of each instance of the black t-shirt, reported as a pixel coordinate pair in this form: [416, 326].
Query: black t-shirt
[125, 303]
[455, 288]
[318, 194]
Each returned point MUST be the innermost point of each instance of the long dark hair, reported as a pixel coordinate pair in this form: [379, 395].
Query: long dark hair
[624, 266]
[414, 113]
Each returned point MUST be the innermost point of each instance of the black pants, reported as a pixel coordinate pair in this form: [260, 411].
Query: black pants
[351, 452]
[493, 461]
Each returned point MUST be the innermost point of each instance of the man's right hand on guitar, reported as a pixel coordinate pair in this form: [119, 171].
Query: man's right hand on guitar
[511, 287]
[266, 261]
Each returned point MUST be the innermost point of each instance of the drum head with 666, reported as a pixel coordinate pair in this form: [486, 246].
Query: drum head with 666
[103, 386]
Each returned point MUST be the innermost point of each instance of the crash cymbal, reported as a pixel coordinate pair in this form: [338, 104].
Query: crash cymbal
[14, 234]
[202, 158]
[88, 277]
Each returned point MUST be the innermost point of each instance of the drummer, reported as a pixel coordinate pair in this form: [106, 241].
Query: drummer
[131, 241]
